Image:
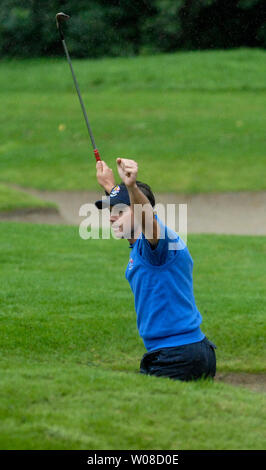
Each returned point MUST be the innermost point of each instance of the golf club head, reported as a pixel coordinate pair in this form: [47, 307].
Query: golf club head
[60, 17]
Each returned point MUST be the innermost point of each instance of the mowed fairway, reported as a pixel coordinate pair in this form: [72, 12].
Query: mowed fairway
[195, 121]
[70, 349]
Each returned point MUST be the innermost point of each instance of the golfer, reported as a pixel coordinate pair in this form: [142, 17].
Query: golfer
[159, 272]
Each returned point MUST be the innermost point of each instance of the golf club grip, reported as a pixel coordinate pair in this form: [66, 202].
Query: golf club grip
[97, 155]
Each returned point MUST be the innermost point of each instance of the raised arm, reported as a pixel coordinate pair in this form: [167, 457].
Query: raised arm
[105, 176]
[128, 170]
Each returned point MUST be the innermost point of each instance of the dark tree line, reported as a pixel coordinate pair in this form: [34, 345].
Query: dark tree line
[129, 27]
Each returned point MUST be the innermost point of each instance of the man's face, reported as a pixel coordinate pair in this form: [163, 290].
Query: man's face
[122, 221]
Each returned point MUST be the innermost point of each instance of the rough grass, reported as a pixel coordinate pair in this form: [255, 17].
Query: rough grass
[13, 199]
[70, 348]
[194, 121]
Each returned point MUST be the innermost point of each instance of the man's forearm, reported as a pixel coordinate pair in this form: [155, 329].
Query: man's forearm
[137, 196]
[145, 216]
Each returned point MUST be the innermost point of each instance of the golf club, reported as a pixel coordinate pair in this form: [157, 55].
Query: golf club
[61, 17]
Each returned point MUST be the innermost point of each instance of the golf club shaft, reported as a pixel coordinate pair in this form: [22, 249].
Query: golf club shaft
[95, 150]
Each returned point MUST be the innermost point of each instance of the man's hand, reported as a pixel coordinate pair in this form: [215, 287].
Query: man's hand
[128, 170]
[105, 176]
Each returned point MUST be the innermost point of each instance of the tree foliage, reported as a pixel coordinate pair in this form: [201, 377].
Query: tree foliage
[125, 27]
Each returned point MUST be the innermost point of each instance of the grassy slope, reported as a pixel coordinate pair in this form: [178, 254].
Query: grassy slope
[70, 349]
[75, 407]
[13, 199]
[194, 121]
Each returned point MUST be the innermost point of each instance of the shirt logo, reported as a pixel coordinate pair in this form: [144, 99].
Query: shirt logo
[130, 266]
[115, 191]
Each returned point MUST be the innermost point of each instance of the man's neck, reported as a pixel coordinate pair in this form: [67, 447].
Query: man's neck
[132, 240]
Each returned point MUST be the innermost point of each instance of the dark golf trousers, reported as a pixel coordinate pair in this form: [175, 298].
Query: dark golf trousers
[188, 362]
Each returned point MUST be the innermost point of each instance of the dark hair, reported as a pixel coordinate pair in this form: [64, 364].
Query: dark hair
[146, 190]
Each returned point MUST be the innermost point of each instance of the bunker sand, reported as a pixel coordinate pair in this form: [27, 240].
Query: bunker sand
[255, 382]
[241, 213]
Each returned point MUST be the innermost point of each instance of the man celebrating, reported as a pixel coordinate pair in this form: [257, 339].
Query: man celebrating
[160, 276]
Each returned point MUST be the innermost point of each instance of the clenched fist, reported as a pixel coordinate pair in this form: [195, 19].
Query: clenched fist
[128, 170]
[105, 176]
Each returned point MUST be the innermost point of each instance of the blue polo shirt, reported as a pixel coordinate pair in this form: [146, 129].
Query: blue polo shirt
[162, 284]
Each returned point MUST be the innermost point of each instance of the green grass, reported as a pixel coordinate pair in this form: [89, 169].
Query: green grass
[194, 121]
[70, 347]
[13, 199]
[77, 407]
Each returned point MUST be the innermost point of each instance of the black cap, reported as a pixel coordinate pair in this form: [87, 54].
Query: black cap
[118, 195]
